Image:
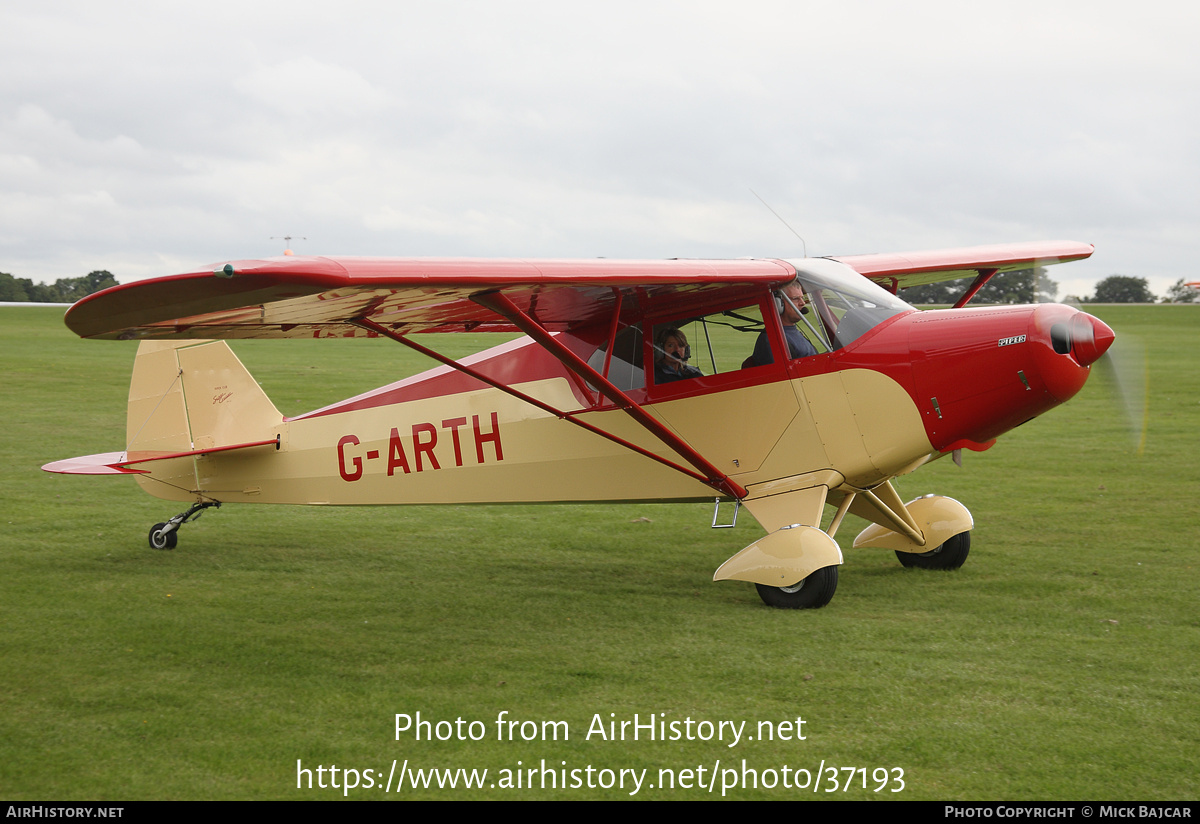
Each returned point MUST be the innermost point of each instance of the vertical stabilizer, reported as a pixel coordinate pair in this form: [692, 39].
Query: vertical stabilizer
[186, 396]
[156, 421]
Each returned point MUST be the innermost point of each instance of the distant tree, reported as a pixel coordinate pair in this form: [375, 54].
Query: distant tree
[1180, 292]
[43, 293]
[63, 290]
[69, 290]
[944, 292]
[14, 289]
[1122, 289]
[1020, 286]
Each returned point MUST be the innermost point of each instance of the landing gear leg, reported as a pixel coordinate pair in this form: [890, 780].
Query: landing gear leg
[166, 535]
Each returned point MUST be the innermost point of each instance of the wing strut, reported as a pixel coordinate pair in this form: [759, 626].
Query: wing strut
[733, 488]
[502, 305]
[983, 277]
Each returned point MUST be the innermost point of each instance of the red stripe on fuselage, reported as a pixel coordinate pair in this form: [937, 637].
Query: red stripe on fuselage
[518, 361]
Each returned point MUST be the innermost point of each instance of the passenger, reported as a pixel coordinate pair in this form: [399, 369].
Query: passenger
[789, 312]
[671, 354]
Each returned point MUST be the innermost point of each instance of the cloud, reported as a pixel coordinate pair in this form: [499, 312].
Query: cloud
[632, 129]
[305, 88]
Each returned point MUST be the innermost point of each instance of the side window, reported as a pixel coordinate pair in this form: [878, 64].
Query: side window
[707, 345]
[803, 331]
[625, 368]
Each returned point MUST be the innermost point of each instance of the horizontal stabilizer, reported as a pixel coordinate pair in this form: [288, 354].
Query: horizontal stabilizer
[121, 463]
[105, 463]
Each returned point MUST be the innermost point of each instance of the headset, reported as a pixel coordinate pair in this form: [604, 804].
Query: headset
[780, 297]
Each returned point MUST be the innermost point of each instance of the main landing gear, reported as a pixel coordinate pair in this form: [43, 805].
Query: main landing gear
[166, 535]
[812, 592]
[950, 555]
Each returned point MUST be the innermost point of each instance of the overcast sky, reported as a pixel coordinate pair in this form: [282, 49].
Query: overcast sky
[150, 138]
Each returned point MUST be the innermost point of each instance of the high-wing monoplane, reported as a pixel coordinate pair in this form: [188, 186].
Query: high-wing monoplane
[784, 386]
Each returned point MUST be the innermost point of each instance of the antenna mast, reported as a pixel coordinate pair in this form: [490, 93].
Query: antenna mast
[803, 245]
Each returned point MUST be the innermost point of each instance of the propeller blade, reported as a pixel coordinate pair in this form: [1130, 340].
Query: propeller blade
[1126, 366]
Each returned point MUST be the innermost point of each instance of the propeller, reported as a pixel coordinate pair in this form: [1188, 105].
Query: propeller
[1125, 368]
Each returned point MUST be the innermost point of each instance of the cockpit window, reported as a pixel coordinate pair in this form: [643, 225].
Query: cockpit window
[847, 304]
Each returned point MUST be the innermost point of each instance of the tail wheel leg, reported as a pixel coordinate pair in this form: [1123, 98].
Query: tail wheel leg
[166, 535]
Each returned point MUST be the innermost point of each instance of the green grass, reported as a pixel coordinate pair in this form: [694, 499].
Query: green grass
[1060, 662]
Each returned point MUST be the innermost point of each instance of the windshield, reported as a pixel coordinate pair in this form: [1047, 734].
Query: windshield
[848, 304]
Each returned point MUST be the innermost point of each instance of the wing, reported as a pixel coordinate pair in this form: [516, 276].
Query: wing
[315, 297]
[903, 269]
[306, 297]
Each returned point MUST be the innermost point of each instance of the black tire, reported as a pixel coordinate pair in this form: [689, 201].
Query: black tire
[163, 540]
[812, 592]
[950, 555]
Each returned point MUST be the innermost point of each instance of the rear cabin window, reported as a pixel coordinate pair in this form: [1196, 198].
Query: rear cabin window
[712, 344]
[625, 367]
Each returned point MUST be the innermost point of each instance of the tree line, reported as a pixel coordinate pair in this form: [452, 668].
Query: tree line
[1033, 286]
[63, 290]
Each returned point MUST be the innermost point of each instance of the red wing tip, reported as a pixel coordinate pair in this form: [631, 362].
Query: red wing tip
[105, 463]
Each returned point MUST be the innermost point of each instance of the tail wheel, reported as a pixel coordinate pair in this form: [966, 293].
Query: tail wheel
[163, 540]
[166, 535]
[950, 555]
[812, 592]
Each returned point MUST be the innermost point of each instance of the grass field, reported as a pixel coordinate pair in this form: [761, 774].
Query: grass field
[1060, 663]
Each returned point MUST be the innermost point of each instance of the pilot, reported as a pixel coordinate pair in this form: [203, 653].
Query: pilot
[671, 354]
[790, 300]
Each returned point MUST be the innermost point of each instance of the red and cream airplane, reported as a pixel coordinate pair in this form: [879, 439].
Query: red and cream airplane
[784, 386]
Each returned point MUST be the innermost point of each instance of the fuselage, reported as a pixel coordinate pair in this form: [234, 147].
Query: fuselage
[891, 388]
